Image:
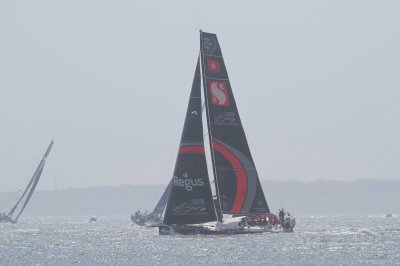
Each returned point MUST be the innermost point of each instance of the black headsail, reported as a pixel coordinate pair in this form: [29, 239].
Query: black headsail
[237, 183]
[31, 185]
[190, 200]
[162, 202]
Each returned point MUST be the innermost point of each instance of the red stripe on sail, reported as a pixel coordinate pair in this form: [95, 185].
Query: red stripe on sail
[241, 178]
[191, 149]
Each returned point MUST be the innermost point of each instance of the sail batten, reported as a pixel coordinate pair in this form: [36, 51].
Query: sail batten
[237, 183]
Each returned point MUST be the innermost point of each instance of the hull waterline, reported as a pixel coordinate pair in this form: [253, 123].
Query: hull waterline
[194, 230]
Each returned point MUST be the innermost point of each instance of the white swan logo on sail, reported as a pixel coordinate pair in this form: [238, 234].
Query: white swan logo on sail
[219, 94]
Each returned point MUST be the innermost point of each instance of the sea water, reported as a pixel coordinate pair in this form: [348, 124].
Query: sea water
[317, 240]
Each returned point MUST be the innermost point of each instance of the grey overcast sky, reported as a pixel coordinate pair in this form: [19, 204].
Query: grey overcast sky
[317, 84]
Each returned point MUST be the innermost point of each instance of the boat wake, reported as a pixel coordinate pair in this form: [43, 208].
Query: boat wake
[366, 231]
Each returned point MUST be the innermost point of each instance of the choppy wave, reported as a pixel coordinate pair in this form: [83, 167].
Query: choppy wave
[318, 240]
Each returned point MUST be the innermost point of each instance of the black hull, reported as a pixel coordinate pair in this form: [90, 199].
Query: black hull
[198, 230]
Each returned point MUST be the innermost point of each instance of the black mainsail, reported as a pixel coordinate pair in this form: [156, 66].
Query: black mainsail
[237, 183]
[190, 200]
[28, 192]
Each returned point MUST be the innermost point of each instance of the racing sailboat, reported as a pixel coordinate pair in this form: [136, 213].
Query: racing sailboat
[23, 200]
[239, 205]
[154, 218]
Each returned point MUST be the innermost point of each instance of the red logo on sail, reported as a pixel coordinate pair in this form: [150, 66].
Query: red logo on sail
[213, 66]
[219, 93]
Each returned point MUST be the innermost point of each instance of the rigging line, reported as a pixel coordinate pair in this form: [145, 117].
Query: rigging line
[28, 187]
[168, 164]
[32, 183]
[14, 195]
[11, 199]
[164, 169]
[32, 190]
[269, 180]
[198, 25]
[271, 183]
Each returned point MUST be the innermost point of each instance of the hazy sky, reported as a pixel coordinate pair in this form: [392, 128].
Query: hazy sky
[317, 84]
